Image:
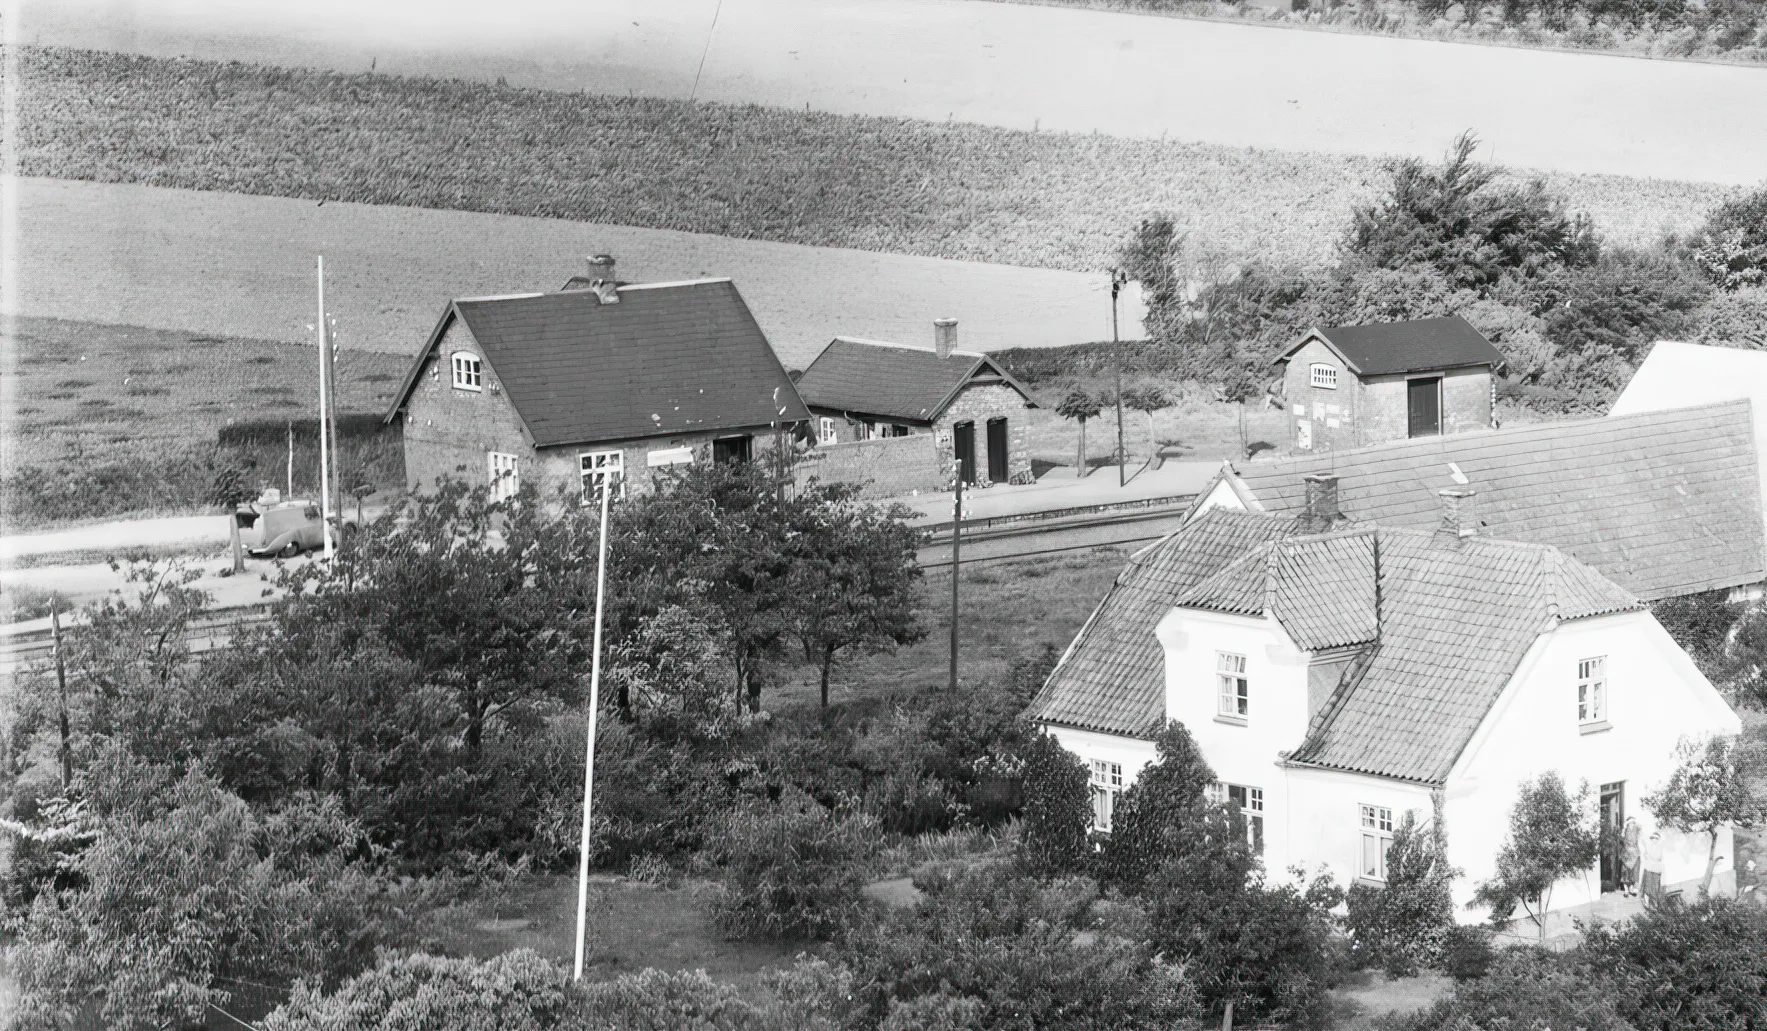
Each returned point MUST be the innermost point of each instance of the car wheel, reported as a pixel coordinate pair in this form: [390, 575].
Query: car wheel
[290, 550]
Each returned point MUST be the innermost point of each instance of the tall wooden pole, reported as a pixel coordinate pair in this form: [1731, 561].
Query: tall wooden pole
[67, 751]
[324, 413]
[1117, 280]
[594, 707]
[337, 454]
[956, 566]
[290, 495]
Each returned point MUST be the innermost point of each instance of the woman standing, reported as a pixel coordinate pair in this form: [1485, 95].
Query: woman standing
[1653, 868]
[1629, 857]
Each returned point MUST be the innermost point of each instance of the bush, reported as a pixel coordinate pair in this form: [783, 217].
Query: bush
[517, 991]
[1404, 924]
[793, 869]
[1700, 967]
[1148, 824]
[1525, 988]
[1056, 837]
[1467, 953]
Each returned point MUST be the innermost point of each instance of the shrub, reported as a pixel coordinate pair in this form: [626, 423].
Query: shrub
[1056, 837]
[1700, 967]
[1404, 924]
[517, 991]
[1147, 826]
[793, 869]
[1524, 988]
[1467, 953]
[1733, 248]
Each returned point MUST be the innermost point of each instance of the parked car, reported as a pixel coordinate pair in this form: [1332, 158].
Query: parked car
[289, 528]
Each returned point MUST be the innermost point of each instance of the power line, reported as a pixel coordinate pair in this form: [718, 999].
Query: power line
[702, 54]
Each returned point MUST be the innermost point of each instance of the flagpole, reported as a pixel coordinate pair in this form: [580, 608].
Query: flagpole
[324, 413]
[594, 707]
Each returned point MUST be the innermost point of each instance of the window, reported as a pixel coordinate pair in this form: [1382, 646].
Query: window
[1231, 677]
[825, 433]
[505, 476]
[1325, 376]
[897, 430]
[469, 372]
[1592, 691]
[1107, 784]
[1250, 803]
[1377, 837]
[599, 464]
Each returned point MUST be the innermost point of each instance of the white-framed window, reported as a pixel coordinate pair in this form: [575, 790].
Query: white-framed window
[597, 465]
[1107, 785]
[505, 475]
[1376, 838]
[825, 432]
[1592, 690]
[1250, 803]
[1233, 694]
[1324, 376]
[469, 372]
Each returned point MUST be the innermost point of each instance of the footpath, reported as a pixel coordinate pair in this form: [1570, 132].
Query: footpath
[1060, 490]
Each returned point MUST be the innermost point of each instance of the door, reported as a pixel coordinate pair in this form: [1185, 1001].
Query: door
[997, 464]
[963, 438]
[1423, 406]
[1613, 820]
[731, 449]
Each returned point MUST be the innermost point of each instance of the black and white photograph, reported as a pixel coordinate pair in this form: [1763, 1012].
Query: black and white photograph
[883, 515]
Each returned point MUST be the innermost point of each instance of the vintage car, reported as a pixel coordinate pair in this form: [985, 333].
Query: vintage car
[289, 528]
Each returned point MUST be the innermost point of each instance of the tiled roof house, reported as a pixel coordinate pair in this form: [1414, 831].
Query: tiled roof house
[1337, 675]
[601, 377]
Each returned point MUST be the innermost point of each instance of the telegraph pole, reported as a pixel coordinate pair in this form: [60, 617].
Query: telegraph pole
[594, 706]
[956, 555]
[67, 752]
[1118, 278]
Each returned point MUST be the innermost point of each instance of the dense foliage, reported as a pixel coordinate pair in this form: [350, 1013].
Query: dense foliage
[1155, 817]
[1405, 924]
[1056, 839]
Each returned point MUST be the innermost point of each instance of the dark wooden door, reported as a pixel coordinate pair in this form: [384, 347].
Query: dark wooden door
[1423, 406]
[997, 464]
[963, 438]
[1613, 822]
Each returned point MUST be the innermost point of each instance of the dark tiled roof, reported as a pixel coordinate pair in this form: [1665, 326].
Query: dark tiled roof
[1662, 503]
[1112, 677]
[668, 358]
[891, 380]
[1421, 345]
[1455, 621]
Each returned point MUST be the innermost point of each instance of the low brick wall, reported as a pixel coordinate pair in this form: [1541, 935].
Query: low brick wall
[888, 467]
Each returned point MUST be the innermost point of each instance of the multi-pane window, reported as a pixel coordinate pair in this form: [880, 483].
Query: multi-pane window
[600, 465]
[1107, 784]
[1231, 681]
[1377, 836]
[825, 433]
[1325, 376]
[1250, 803]
[505, 476]
[1592, 690]
[469, 372]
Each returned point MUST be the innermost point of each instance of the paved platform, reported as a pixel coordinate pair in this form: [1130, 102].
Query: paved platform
[1060, 489]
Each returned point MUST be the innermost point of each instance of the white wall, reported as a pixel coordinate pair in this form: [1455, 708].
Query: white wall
[1655, 696]
[1324, 816]
[1221, 495]
[1134, 754]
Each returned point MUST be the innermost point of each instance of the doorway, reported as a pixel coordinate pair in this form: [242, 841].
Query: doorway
[963, 438]
[997, 464]
[731, 449]
[1613, 821]
[1423, 406]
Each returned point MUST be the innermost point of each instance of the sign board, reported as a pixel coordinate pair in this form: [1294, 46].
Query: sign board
[670, 456]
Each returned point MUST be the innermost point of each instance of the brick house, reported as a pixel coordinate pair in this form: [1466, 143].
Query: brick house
[599, 378]
[1346, 386]
[867, 390]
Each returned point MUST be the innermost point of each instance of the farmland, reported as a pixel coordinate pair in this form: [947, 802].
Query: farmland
[1050, 200]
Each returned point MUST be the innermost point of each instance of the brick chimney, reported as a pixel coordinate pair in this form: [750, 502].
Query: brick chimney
[944, 337]
[1460, 518]
[601, 279]
[1322, 501]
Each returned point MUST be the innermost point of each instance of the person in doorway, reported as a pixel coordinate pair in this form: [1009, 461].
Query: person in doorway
[1653, 867]
[1629, 857]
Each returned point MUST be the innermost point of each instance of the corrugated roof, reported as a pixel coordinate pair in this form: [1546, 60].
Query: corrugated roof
[1662, 503]
[1456, 620]
[1421, 345]
[667, 359]
[1112, 677]
[896, 381]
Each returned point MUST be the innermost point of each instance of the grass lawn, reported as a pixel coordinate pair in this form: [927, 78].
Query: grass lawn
[1370, 993]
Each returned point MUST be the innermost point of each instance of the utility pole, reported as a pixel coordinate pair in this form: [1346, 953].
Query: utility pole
[1118, 278]
[67, 752]
[324, 413]
[956, 556]
[594, 706]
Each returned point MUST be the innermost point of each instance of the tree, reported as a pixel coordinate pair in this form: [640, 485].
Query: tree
[1405, 923]
[1056, 838]
[1079, 406]
[1732, 250]
[1149, 822]
[853, 579]
[1552, 835]
[1708, 791]
[1148, 398]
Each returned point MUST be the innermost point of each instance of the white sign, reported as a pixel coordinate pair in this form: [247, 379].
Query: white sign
[670, 456]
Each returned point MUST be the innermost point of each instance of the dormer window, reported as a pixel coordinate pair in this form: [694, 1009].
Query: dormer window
[1325, 376]
[1592, 694]
[469, 372]
[1233, 696]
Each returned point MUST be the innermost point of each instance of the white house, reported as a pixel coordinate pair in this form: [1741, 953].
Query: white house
[1335, 680]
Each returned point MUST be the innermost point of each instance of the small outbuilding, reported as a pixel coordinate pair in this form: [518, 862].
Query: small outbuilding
[1347, 386]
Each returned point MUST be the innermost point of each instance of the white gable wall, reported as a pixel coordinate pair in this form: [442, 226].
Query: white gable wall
[1325, 816]
[1221, 495]
[1655, 696]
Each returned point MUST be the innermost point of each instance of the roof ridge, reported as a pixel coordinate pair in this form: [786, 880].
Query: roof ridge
[624, 287]
[1553, 575]
[896, 345]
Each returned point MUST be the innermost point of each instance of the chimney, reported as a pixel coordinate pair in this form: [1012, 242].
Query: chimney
[601, 279]
[944, 337]
[1459, 518]
[1322, 501]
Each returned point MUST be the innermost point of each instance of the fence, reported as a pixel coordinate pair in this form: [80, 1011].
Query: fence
[886, 468]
